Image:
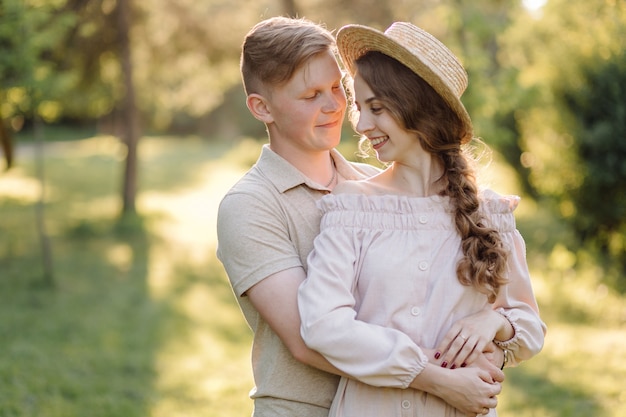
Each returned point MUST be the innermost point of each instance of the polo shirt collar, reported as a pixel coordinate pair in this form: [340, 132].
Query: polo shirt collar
[285, 176]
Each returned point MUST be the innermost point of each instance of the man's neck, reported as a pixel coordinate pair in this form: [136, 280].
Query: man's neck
[316, 165]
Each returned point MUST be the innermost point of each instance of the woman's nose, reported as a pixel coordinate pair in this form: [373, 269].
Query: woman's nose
[364, 124]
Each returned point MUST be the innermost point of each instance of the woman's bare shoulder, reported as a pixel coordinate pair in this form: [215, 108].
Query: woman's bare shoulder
[349, 187]
[367, 186]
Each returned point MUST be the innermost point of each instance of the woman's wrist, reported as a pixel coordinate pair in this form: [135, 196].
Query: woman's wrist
[505, 329]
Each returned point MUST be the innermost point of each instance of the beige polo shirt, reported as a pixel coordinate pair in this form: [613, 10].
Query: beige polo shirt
[266, 224]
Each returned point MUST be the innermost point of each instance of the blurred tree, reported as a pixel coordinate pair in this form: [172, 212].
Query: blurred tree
[69, 59]
[14, 62]
[130, 119]
[9, 69]
[20, 95]
[94, 57]
[570, 70]
[493, 96]
[6, 142]
[185, 63]
[547, 52]
[24, 36]
[76, 66]
[599, 107]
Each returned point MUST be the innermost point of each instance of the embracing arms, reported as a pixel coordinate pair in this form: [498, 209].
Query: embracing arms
[275, 298]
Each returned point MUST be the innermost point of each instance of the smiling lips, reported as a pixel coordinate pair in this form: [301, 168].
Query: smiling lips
[378, 142]
[331, 124]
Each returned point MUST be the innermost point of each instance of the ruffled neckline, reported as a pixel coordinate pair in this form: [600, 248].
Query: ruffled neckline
[491, 202]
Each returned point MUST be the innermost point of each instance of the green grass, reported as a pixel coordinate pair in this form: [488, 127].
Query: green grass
[140, 320]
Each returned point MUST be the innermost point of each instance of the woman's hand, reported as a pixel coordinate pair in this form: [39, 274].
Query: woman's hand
[469, 337]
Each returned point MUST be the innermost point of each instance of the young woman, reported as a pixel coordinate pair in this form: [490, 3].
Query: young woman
[416, 271]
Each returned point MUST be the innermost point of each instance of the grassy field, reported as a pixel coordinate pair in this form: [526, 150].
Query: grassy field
[140, 320]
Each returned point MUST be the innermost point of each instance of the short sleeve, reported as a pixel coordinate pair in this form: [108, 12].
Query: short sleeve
[253, 240]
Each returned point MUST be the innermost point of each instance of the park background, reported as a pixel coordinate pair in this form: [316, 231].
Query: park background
[123, 123]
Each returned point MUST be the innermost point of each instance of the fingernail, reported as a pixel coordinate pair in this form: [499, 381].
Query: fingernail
[463, 365]
[437, 355]
[444, 364]
[453, 366]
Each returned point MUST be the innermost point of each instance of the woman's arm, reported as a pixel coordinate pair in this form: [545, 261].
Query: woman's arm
[516, 303]
[513, 321]
[374, 354]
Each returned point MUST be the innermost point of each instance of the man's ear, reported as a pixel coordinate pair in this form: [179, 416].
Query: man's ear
[258, 106]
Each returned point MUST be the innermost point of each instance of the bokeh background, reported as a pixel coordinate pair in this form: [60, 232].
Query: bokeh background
[123, 123]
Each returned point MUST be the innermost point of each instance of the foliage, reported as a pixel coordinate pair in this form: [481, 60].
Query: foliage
[183, 65]
[185, 55]
[13, 63]
[569, 116]
[30, 35]
[599, 214]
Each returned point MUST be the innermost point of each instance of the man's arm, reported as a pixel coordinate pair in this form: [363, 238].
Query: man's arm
[276, 300]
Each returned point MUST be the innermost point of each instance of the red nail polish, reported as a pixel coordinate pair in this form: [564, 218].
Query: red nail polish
[444, 364]
[437, 355]
[463, 365]
[453, 366]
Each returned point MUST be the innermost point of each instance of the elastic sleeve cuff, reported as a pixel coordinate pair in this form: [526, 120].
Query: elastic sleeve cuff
[419, 367]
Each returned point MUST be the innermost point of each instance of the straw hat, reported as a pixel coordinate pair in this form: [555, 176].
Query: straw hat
[419, 51]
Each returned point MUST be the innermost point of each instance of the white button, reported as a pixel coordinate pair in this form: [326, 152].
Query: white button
[423, 219]
[406, 404]
[423, 266]
[415, 311]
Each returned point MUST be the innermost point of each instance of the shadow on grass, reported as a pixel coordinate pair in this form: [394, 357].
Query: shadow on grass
[218, 314]
[91, 344]
[86, 346]
[536, 395]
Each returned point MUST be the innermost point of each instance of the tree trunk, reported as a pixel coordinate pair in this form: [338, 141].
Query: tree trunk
[130, 118]
[6, 142]
[40, 209]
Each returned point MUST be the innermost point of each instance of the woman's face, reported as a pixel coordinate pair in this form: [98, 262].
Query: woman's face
[391, 141]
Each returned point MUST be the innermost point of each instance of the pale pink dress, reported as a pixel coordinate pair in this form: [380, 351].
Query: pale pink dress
[382, 283]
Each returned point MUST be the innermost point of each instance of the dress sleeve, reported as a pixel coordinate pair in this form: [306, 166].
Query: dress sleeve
[516, 300]
[373, 354]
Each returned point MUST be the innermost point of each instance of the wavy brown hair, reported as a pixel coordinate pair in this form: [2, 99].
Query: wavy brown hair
[416, 106]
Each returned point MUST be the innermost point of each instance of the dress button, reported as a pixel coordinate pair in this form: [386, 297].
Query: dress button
[406, 404]
[423, 219]
[415, 311]
[423, 266]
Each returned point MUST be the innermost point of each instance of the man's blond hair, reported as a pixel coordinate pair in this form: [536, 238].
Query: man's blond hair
[275, 48]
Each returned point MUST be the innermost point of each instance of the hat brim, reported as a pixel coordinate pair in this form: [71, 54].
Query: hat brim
[353, 41]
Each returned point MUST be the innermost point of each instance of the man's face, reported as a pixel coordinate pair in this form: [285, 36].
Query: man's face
[307, 112]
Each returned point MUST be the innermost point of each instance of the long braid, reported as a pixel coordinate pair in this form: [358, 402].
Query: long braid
[484, 262]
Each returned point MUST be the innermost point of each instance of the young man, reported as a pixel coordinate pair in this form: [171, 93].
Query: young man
[267, 222]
